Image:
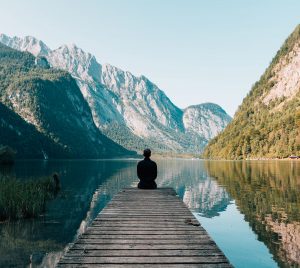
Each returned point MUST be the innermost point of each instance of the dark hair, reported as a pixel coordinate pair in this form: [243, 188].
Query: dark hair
[147, 153]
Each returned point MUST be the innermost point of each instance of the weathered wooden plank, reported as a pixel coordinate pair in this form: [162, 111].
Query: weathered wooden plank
[145, 219]
[136, 199]
[145, 253]
[144, 233]
[171, 210]
[145, 222]
[150, 228]
[177, 265]
[148, 260]
[138, 224]
[145, 211]
[143, 227]
[146, 237]
[140, 227]
[167, 209]
[121, 205]
[139, 215]
[149, 247]
[146, 215]
[142, 241]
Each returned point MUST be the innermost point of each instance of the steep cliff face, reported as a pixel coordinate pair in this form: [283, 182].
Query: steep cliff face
[267, 124]
[145, 110]
[51, 102]
[131, 110]
[74, 60]
[143, 103]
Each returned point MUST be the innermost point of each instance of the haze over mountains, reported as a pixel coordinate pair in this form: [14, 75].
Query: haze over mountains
[130, 110]
[267, 124]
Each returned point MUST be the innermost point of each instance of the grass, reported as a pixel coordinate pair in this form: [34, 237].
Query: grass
[24, 199]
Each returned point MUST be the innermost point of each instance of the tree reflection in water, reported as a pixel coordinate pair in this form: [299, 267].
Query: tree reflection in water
[268, 194]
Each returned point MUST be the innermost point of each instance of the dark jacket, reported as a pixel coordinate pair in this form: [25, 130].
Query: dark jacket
[147, 173]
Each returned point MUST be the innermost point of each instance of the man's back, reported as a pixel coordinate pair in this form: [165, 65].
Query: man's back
[147, 173]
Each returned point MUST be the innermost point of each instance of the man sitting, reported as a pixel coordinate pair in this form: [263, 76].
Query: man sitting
[147, 172]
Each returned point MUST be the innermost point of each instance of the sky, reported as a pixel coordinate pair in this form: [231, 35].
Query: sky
[194, 50]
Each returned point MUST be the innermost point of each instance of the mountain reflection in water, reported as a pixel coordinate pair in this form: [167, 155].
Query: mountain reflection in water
[267, 193]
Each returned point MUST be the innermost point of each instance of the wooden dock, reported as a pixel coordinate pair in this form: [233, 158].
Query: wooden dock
[145, 228]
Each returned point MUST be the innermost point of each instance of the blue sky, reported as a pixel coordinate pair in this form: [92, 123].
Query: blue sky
[195, 50]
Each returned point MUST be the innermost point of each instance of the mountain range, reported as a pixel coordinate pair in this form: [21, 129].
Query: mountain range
[43, 113]
[132, 111]
[267, 123]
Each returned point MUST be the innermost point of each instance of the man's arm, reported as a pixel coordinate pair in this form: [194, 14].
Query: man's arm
[138, 170]
[155, 171]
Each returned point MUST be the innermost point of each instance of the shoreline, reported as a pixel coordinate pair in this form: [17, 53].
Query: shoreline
[155, 155]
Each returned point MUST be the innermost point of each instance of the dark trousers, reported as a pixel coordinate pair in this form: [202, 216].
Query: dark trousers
[147, 185]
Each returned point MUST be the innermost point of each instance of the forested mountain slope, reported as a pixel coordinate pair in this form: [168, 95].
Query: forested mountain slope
[267, 124]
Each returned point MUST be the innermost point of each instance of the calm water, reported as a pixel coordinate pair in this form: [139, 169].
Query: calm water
[251, 209]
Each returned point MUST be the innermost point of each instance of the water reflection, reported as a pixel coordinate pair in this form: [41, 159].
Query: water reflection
[268, 194]
[78, 203]
[190, 180]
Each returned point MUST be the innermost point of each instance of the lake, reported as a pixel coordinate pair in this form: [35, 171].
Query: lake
[250, 208]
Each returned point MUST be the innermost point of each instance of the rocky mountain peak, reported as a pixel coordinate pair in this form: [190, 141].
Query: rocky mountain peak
[28, 43]
[80, 64]
[124, 82]
[207, 118]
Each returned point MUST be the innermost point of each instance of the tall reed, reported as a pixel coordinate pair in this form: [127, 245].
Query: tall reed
[26, 199]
